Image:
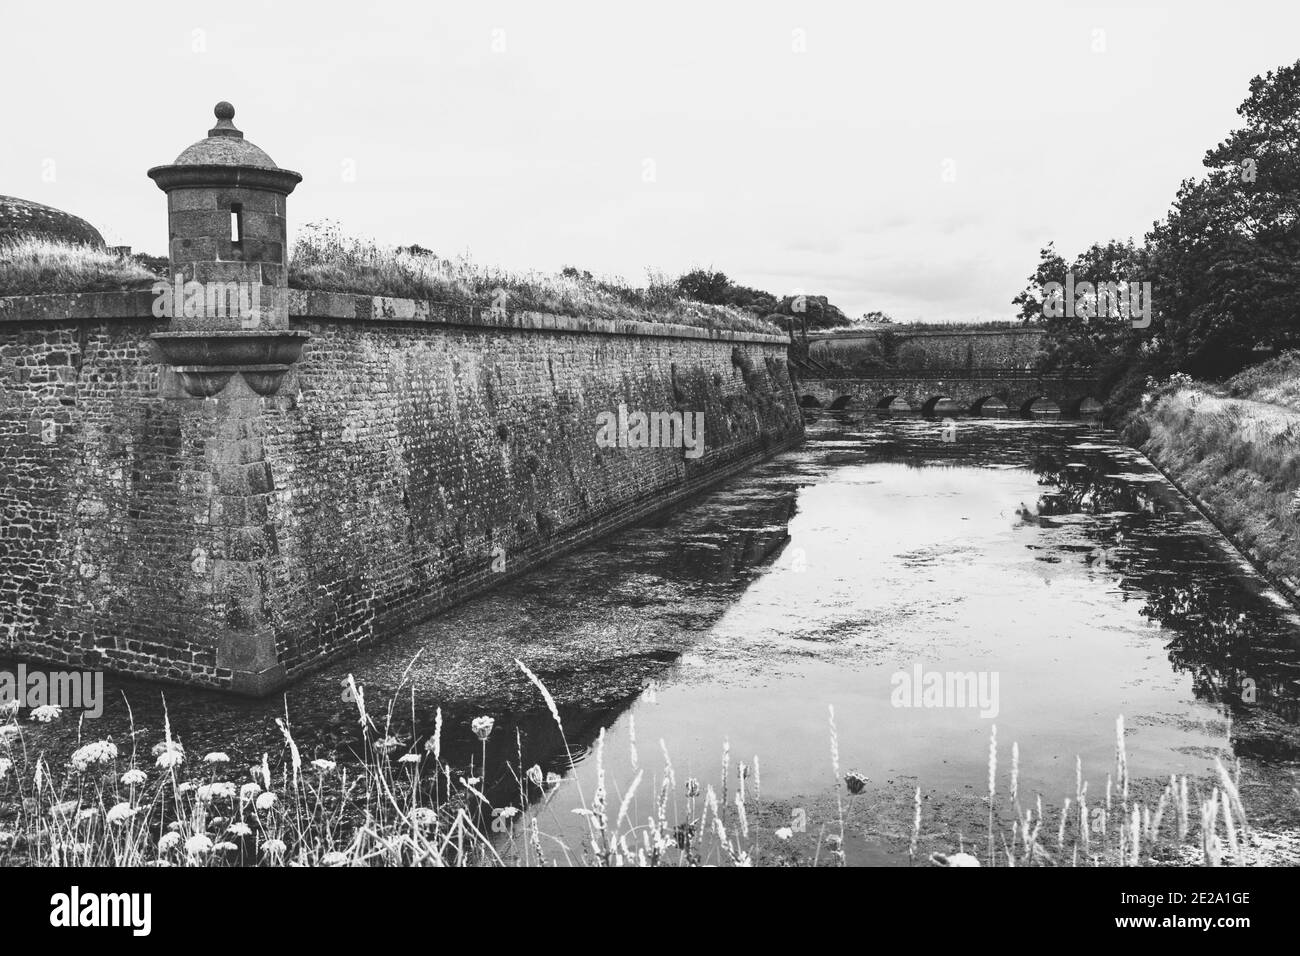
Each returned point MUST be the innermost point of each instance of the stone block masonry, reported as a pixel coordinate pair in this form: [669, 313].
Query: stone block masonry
[414, 455]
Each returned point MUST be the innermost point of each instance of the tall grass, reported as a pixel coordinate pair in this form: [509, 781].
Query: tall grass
[397, 804]
[1239, 456]
[32, 266]
[326, 259]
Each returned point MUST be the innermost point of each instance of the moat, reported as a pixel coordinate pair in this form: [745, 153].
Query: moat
[1042, 554]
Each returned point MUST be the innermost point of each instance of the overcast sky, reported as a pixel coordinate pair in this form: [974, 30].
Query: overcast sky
[907, 157]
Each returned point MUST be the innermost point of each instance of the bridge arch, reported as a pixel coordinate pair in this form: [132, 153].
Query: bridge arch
[1040, 405]
[993, 406]
[841, 401]
[893, 403]
[1085, 406]
[940, 405]
[809, 401]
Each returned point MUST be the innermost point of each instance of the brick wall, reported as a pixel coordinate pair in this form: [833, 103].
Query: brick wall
[202, 541]
[940, 348]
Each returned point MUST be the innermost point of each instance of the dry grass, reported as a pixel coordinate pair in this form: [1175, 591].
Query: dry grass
[404, 806]
[31, 266]
[1236, 448]
[327, 260]
[1276, 382]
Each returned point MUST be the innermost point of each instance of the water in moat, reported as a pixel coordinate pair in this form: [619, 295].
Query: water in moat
[1042, 554]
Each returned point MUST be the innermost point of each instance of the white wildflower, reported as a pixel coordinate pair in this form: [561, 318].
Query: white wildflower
[482, 727]
[120, 813]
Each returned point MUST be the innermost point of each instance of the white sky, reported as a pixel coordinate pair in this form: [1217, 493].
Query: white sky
[818, 171]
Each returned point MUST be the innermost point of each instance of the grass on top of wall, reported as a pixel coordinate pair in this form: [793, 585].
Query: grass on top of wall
[326, 260]
[32, 266]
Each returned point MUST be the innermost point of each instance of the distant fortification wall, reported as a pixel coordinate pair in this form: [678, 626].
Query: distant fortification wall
[945, 348]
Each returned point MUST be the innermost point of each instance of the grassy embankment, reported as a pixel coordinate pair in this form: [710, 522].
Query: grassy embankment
[1235, 449]
[325, 260]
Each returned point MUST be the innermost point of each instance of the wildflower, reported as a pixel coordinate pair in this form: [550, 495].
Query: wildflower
[506, 813]
[855, 781]
[387, 744]
[5, 765]
[8, 709]
[324, 766]
[134, 777]
[88, 814]
[170, 841]
[222, 790]
[185, 787]
[198, 844]
[273, 847]
[335, 858]
[409, 758]
[266, 801]
[120, 813]
[535, 776]
[66, 808]
[101, 751]
[226, 847]
[784, 833]
[165, 745]
[170, 759]
[46, 713]
[216, 757]
[692, 787]
[248, 793]
[424, 817]
[482, 727]
[240, 830]
[553, 779]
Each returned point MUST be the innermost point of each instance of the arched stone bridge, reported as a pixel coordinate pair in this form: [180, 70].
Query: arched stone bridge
[992, 391]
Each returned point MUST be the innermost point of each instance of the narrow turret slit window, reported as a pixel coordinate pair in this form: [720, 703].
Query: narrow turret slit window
[236, 223]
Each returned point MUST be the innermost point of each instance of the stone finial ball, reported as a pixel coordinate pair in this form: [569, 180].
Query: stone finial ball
[224, 111]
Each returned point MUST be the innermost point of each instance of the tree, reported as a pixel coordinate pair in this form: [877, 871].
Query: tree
[705, 285]
[1081, 328]
[1227, 256]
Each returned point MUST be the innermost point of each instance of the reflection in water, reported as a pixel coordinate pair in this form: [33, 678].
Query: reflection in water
[1220, 628]
[1043, 551]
